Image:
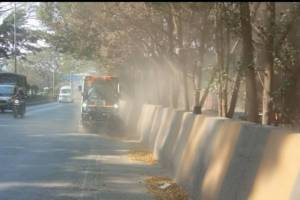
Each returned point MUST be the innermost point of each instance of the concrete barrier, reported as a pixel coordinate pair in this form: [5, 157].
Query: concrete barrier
[181, 141]
[141, 120]
[277, 176]
[195, 157]
[157, 120]
[167, 115]
[234, 156]
[130, 114]
[226, 159]
[169, 138]
[146, 123]
[216, 158]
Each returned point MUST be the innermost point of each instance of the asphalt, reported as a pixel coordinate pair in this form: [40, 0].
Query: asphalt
[49, 155]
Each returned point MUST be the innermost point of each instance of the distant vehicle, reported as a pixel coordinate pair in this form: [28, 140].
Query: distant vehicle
[65, 94]
[19, 105]
[100, 99]
[9, 82]
[45, 91]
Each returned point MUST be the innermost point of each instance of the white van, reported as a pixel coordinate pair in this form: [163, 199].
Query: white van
[65, 94]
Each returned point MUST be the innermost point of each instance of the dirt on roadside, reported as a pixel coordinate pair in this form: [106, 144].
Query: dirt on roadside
[164, 188]
[142, 155]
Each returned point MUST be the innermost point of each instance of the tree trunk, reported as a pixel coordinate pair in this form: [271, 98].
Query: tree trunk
[247, 63]
[198, 80]
[170, 22]
[185, 89]
[175, 90]
[205, 93]
[199, 66]
[173, 75]
[182, 62]
[203, 33]
[220, 59]
[236, 86]
[291, 112]
[235, 93]
[228, 61]
[197, 84]
[269, 71]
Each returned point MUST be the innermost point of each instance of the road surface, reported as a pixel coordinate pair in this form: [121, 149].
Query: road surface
[48, 155]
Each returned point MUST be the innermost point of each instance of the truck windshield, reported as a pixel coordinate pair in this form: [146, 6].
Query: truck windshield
[65, 91]
[106, 90]
[6, 90]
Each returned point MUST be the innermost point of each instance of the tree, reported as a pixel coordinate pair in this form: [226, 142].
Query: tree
[269, 69]
[167, 49]
[25, 39]
[248, 63]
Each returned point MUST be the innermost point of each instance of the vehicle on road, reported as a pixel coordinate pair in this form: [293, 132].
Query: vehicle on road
[19, 105]
[100, 99]
[9, 83]
[19, 108]
[65, 94]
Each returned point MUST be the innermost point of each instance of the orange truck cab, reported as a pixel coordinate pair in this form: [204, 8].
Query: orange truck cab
[100, 99]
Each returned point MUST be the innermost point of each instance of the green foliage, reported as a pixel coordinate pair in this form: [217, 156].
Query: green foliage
[25, 38]
[39, 66]
[118, 34]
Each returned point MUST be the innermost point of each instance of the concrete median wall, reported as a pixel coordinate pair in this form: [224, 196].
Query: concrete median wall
[218, 158]
[130, 114]
[169, 135]
[149, 141]
[144, 126]
[165, 123]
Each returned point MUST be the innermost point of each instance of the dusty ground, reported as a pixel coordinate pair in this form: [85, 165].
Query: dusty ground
[172, 192]
[155, 184]
[49, 155]
[142, 155]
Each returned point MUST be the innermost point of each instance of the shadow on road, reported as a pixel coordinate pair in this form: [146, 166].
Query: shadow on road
[74, 166]
[113, 129]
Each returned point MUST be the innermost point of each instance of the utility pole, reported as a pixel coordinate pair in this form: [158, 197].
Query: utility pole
[53, 83]
[54, 67]
[15, 56]
[70, 79]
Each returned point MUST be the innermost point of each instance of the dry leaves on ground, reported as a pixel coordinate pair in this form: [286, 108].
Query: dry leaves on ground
[142, 155]
[156, 184]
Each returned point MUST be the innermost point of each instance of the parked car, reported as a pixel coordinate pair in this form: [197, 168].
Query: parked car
[65, 94]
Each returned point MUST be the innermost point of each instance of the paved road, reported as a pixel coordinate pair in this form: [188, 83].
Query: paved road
[48, 155]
